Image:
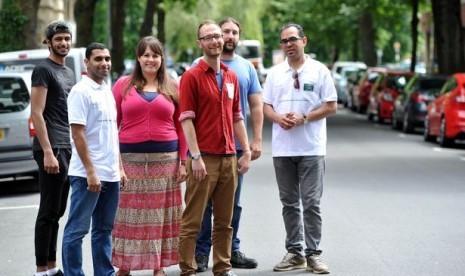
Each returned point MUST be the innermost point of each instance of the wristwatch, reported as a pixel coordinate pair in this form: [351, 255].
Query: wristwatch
[196, 156]
[305, 118]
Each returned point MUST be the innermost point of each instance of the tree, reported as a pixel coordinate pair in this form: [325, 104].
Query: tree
[117, 19]
[84, 16]
[449, 36]
[13, 24]
[29, 9]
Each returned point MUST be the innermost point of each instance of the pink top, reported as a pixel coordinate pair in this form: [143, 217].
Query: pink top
[141, 121]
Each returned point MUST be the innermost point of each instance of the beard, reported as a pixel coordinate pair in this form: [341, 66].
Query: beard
[58, 53]
[229, 50]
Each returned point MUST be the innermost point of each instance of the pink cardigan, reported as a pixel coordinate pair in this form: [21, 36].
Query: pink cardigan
[141, 121]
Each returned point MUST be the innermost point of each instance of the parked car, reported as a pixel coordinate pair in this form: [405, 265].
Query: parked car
[410, 106]
[19, 59]
[445, 115]
[384, 91]
[353, 81]
[340, 72]
[16, 129]
[361, 92]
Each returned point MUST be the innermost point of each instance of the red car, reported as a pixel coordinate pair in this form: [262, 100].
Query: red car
[383, 93]
[361, 92]
[445, 115]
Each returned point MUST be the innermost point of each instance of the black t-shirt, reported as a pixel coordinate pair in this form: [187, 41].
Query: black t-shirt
[58, 79]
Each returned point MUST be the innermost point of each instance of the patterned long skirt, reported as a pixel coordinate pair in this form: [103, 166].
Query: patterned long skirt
[146, 232]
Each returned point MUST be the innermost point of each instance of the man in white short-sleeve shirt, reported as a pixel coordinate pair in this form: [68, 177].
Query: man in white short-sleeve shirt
[95, 171]
[298, 95]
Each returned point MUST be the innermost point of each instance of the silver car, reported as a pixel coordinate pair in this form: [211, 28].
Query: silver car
[16, 130]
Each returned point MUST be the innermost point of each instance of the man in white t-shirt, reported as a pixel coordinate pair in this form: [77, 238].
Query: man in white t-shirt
[95, 171]
[298, 95]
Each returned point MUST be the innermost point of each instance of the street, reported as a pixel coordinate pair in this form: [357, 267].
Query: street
[392, 205]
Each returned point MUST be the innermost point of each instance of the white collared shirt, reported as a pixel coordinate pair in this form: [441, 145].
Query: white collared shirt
[316, 88]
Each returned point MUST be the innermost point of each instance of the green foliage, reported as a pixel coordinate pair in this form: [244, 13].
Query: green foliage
[12, 22]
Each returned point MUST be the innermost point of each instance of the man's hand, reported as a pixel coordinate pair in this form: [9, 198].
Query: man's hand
[244, 162]
[256, 148]
[51, 165]
[93, 183]
[198, 169]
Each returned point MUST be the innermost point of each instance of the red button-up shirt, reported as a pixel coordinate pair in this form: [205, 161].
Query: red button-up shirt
[212, 111]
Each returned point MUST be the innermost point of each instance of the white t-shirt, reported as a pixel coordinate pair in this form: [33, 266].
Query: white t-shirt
[316, 88]
[93, 105]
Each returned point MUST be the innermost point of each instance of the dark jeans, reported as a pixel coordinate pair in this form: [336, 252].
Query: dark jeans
[204, 240]
[54, 189]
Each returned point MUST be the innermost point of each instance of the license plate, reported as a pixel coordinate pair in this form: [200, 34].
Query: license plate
[2, 134]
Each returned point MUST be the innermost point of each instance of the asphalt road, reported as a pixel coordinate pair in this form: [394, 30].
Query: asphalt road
[392, 205]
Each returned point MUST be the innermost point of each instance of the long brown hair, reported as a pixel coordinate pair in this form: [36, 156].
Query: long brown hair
[166, 86]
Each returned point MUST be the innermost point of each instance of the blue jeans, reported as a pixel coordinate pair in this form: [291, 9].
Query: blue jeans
[86, 206]
[204, 240]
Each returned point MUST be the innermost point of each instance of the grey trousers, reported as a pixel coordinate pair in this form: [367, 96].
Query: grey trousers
[300, 180]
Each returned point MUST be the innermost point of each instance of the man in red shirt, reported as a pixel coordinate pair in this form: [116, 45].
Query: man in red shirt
[210, 116]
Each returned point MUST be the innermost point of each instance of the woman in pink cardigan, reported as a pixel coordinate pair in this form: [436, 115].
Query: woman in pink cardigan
[153, 151]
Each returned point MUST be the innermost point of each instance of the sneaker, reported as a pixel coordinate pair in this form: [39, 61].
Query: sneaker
[316, 265]
[202, 263]
[239, 260]
[228, 273]
[290, 261]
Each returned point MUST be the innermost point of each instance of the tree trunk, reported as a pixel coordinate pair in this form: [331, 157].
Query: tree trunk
[367, 38]
[414, 26]
[449, 36]
[161, 25]
[84, 16]
[117, 16]
[30, 8]
[147, 25]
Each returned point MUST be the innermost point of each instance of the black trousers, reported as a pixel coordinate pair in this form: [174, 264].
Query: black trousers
[54, 190]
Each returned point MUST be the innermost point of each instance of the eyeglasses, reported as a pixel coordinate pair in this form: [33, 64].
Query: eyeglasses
[295, 75]
[291, 39]
[210, 38]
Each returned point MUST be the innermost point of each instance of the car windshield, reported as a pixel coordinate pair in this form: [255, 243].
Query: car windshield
[14, 95]
[248, 51]
[397, 82]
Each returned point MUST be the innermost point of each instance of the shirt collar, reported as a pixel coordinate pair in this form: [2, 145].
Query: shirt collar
[303, 68]
[93, 84]
[205, 67]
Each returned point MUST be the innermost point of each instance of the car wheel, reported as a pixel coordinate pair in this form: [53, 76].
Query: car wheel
[379, 117]
[426, 135]
[442, 139]
[369, 114]
[394, 123]
[406, 126]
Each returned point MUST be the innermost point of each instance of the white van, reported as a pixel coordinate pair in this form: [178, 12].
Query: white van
[252, 51]
[16, 130]
[74, 60]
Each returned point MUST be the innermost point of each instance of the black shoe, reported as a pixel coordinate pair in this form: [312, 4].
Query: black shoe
[239, 260]
[59, 273]
[202, 263]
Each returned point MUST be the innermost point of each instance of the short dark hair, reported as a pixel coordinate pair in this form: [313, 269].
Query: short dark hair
[299, 28]
[206, 22]
[93, 46]
[232, 20]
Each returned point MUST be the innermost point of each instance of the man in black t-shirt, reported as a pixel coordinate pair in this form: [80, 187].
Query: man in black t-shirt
[51, 84]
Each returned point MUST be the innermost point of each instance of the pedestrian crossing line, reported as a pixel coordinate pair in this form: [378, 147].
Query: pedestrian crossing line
[19, 207]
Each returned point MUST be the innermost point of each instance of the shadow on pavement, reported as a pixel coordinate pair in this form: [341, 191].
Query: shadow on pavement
[20, 185]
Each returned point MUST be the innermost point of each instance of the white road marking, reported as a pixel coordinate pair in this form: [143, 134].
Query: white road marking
[19, 207]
